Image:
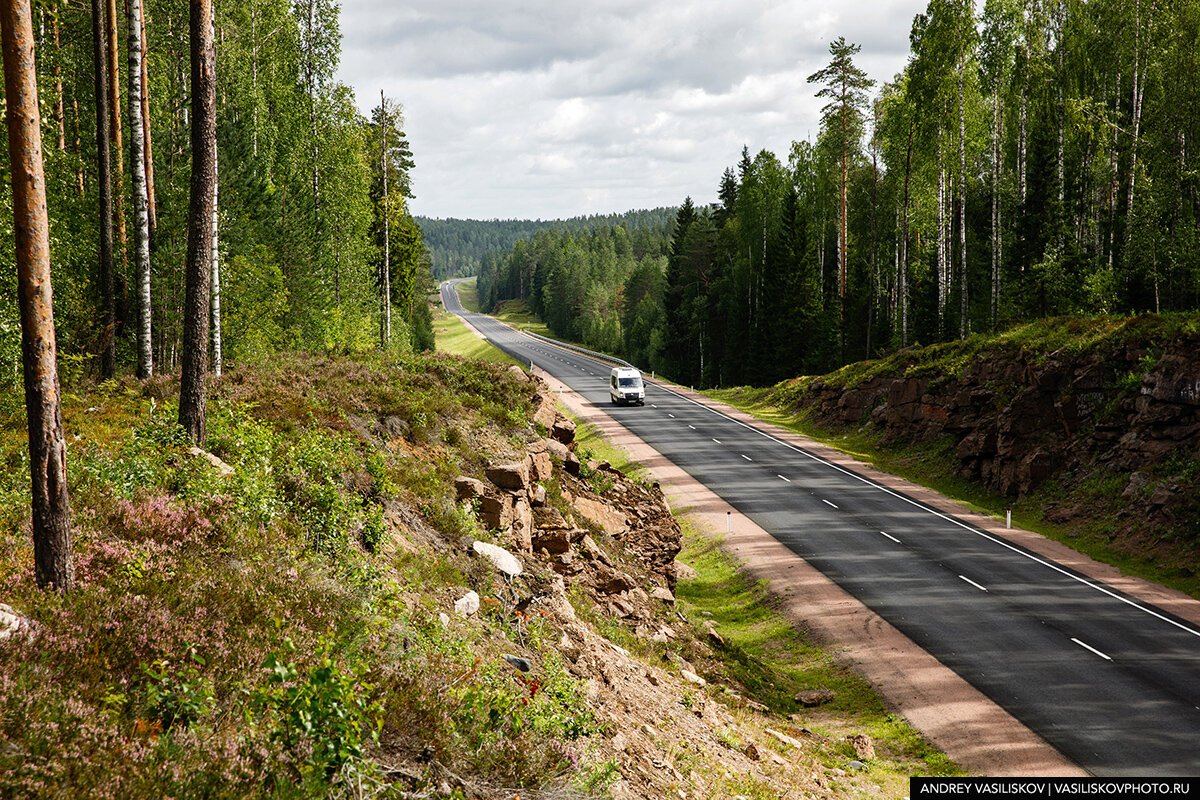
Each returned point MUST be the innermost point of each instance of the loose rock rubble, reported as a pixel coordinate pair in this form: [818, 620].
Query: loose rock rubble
[583, 526]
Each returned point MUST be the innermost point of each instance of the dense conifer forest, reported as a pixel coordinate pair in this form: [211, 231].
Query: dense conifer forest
[1034, 158]
[457, 247]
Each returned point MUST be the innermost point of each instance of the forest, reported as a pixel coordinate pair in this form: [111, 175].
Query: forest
[1034, 158]
[457, 247]
[312, 197]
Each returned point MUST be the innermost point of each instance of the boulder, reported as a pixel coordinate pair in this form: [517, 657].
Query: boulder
[513, 477]
[557, 449]
[811, 698]
[523, 524]
[468, 488]
[863, 747]
[501, 559]
[603, 514]
[593, 551]
[545, 410]
[664, 594]
[563, 430]
[496, 511]
[611, 581]
[541, 468]
[10, 621]
[683, 572]
[223, 469]
[467, 605]
[784, 738]
[554, 541]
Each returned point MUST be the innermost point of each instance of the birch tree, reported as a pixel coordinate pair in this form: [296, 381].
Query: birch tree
[141, 201]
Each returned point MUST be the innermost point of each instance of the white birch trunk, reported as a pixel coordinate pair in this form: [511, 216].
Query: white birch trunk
[941, 272]
[141, 203]
[963, 325]
[214, 297]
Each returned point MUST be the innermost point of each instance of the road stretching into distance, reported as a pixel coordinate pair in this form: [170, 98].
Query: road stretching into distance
[1112, 683]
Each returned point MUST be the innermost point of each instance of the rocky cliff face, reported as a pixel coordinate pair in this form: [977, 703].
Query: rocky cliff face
[1125, 411]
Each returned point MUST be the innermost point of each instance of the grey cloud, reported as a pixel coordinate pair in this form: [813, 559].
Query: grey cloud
[554, 108]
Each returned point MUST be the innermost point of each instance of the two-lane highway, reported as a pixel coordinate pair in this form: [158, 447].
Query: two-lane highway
[1111, 682]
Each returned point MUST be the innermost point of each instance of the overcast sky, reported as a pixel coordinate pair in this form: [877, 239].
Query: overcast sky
[557, 108]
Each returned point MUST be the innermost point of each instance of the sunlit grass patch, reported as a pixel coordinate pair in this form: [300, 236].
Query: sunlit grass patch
[453, 336]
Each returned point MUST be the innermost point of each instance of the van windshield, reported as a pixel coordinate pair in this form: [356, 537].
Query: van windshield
[629, 383]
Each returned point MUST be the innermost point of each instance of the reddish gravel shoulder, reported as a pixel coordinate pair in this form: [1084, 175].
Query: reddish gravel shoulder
[961, 721]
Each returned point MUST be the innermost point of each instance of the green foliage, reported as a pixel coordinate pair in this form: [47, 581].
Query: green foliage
[178, 695]
[323, 716]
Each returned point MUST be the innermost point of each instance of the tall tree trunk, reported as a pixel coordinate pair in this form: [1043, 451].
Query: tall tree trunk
[385, 283]
[963, 322]
[193, 378]
[60, 119]
[942, 273]
[141, 230]
[1138, 85]
[108, 352]
[902, 279]
[1061, 24]
[1022, 155]
[215, 293]
[874, 291]
[997, 166]
[114, 124]
[1115, 175]
[51, 504]
[148, 149]
[79, 183]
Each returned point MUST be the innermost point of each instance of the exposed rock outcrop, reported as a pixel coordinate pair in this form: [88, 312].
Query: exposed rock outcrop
[1019, 419]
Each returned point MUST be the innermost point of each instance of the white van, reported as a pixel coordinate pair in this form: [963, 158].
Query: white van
[625, 386]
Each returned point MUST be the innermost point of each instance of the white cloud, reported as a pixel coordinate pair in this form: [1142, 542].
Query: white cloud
[544, 108]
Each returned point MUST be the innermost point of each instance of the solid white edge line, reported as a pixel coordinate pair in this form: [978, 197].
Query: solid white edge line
[1049, 564]
[973, 583]
[985, 535]
[1087, 646]
[893, 538]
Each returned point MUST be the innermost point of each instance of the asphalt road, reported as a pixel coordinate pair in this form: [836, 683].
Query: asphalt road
[1112, 683]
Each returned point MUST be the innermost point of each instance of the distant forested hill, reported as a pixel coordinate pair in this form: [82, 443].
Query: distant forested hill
[456, 246]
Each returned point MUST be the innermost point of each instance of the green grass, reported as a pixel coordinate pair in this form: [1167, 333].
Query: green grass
[591, 442]
[453, 336]
[468, 295]
[518, 314]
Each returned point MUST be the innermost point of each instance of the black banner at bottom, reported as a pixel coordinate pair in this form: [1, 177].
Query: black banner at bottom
[1009, 788]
